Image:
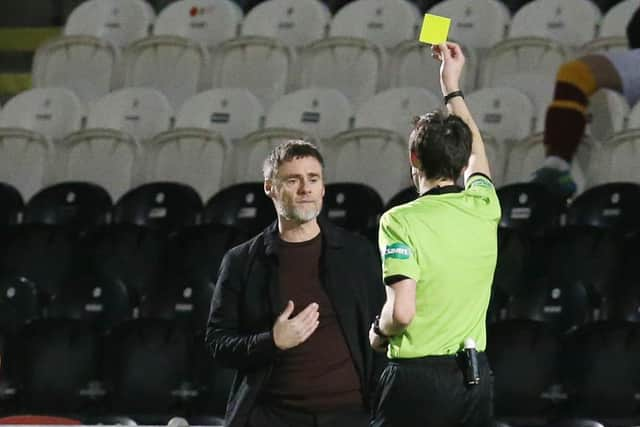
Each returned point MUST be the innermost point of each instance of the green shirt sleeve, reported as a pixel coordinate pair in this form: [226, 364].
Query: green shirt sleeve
[484, 193]
[398, 255]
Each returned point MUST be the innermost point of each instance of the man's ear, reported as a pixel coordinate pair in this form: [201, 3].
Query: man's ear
[268, 188]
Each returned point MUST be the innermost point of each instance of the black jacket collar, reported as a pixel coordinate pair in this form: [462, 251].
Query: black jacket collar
[330, 236]
[442, 190]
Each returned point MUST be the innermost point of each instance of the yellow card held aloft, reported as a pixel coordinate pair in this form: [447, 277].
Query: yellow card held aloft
[435, 29]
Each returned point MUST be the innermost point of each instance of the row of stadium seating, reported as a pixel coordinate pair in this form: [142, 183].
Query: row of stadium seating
[55, 12]
[220, 137]
[157, 251]
[572, 22]
[365, 50]
[153, 369]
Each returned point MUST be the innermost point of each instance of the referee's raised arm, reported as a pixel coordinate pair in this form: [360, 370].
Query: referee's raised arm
[453, 60]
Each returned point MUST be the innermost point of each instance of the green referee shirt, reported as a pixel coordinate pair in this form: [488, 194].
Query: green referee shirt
[446, 240]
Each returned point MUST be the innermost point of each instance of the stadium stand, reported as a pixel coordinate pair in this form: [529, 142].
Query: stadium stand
[135, 163]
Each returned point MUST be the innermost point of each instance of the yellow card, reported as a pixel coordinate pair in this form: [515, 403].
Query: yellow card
[435, 29]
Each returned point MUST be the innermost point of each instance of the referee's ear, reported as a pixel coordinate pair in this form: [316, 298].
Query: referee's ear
[414, 159]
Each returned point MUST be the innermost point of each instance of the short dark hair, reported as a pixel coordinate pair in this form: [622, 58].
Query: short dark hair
[287, 151]
[633, 30]
[442, 143]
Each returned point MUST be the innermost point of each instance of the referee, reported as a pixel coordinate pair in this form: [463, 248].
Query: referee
[439, 254]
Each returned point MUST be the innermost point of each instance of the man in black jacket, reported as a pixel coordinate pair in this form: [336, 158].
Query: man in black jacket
[292, 309]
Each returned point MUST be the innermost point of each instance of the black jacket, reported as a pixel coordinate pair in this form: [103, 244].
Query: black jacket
[246, 303]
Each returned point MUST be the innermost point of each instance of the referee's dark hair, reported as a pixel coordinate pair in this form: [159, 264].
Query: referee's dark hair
[442, 143]
[633, 30]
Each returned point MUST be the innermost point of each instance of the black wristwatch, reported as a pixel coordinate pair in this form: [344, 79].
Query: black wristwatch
[453, 95]
[377, 330]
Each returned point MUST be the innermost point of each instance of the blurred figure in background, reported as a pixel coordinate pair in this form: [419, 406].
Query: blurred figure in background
[566, 118]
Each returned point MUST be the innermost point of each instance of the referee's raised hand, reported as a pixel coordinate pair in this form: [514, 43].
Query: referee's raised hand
[453, 60]
[289, 332]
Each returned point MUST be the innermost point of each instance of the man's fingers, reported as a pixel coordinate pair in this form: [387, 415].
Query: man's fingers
[287, 311]
[308, 319]
[307, 312]
[309, 330]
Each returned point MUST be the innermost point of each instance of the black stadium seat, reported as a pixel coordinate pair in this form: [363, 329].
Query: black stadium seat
[148, 370]
[42, 254]
[75, 204]
[625, 303]
[356, 207]
[524, 358]
[589, 257]
[9, 367]
[601, 375]
[514, 254]
[615, 206]
[20, 303]
[529, 207]
[102, 302]
[563, 306]
[244, 206]
[160, 205]
[133, 255]
[60, 367]
[194, 257]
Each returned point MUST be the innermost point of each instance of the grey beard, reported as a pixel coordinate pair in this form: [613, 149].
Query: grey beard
[299, 215]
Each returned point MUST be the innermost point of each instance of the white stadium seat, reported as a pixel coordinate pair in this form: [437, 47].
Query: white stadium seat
[233, 113]
[382, 22]
[614, 22]
[196, 157]
[295, 23]
[375, 157]
[570, 22]
[173, 65]
[318, 112]
[26, 160]
[105, 157]
[352, 66]
[118, 21]
[529, 64]
[139, 112]
[411, 64]
[209, 22]
[505, 113]
[475, 23]
[51, 112]
[608, 111]
[87, 65]
[260, 64]
[394, 109]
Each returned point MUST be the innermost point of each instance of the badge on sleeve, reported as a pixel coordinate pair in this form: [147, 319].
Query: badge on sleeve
[397, 251]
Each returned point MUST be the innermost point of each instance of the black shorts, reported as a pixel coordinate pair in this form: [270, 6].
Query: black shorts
[431, 392]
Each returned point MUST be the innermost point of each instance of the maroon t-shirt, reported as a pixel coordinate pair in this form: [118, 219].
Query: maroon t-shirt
[317, 375]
